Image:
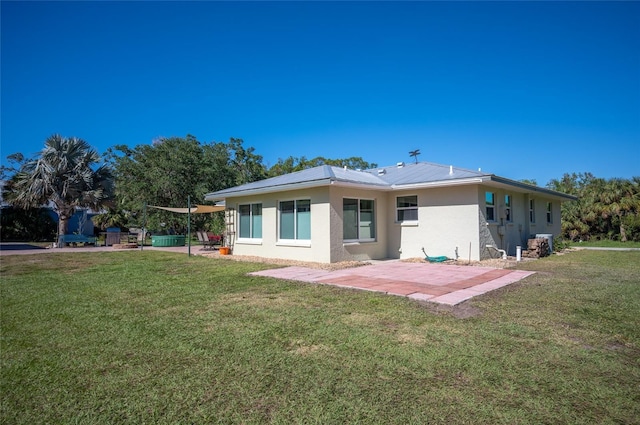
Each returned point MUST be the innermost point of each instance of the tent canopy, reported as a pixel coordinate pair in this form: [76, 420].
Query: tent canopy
[198, 209]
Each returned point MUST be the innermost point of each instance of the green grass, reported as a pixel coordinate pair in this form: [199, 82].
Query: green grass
[155, 337]
[606, 244]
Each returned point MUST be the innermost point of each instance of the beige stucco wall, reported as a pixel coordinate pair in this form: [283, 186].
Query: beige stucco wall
[451, 222]
[447, 220]
[341, 251]
[507, 235]
[269, 247]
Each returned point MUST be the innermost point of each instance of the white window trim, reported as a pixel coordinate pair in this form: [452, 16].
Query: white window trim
[304, 243]
[508, 218]
[532, 211]
[292, 242]
[493, 207]
[549, 213]
[407, 222]
[248, 241]
[375, 216]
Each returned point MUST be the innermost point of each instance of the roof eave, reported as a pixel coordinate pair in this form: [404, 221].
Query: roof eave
[440, 183]
[221, 195]
[533, 189]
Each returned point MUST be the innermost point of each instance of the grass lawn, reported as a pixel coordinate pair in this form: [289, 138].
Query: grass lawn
[155, 337]
[606, 244]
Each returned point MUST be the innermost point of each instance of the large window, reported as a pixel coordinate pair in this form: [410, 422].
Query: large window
[549, 213]
[295, 220]
[532, 211]
[358, 219]
[490, 203]
[507, 207]
[250, 221]
[407, 208]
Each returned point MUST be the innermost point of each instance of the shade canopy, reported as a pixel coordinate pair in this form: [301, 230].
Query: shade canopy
[198, 209]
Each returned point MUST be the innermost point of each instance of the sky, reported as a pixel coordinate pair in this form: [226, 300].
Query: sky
[523, 90]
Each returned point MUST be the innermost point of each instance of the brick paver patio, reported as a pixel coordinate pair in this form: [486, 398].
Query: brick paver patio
[440, 283]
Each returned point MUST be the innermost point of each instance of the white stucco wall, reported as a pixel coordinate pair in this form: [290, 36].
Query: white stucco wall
[447, 220]
[451, 222]
[507, 235]
[270, 247]
[360, 251]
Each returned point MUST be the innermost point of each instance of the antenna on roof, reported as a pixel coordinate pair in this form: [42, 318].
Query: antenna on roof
[415, 154]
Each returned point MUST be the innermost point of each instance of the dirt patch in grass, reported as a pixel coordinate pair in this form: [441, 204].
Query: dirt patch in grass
[286, 263]
[497, 263]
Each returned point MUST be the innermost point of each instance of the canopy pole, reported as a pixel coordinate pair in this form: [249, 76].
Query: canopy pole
[144, 225]
[189, 224]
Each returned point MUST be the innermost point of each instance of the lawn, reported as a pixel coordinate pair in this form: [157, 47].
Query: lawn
[606, 244]
[161, 338]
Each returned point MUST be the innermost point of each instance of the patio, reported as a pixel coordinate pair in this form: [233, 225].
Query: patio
[439, 283]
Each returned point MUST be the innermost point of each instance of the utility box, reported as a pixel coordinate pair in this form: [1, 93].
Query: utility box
[113, 236]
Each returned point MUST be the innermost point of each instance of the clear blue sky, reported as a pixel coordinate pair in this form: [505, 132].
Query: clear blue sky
[521, 89]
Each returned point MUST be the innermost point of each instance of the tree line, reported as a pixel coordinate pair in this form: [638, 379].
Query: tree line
[68, 174]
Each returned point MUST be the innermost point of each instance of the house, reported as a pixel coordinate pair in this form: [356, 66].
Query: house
[330, 214]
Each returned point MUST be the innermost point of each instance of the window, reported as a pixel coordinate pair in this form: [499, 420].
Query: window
[549, 213]
[490, 203]
[407, 208]
[507, 207]
[250, 221]
[532, 211]
[358, 221]
[295, 220]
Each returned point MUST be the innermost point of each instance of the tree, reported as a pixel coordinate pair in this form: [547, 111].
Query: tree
[606, 209]
[168, 171]
[293, 164]
[65, 175]
[618, 198]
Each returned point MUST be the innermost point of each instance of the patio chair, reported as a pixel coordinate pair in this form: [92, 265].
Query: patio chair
[215, 239]
[206, 243]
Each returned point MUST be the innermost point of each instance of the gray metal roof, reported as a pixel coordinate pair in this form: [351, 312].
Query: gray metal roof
[422, 172]
[385, 178]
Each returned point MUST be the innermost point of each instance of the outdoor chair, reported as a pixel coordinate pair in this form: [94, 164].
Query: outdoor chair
[204, 239]
[215, 239]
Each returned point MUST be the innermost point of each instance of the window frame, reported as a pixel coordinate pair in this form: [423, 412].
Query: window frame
[508, 200]
[549, 212]
[359, 222]
[398, 209]
[251, 238]
[490, 207]
[532, 211]
[296, 240]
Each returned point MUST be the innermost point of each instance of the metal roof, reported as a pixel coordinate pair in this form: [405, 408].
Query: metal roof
[385, 178]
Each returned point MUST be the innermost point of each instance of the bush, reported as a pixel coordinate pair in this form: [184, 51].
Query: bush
[26, 225]
[632, 227]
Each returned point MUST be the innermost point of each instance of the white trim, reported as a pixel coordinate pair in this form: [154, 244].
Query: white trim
[247, 241]
[302, 243]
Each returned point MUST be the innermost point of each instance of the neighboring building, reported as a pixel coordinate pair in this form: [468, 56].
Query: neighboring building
[329, 214]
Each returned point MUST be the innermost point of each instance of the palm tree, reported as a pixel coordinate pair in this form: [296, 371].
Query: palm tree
[618, 199]
[65, 176]
[415, 154]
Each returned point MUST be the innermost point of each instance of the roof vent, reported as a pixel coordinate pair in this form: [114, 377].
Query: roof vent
[345, 168]
[450, 170]
[382, 171]
[400, 164]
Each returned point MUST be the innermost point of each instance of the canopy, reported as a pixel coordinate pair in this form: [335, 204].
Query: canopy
[198, 209]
